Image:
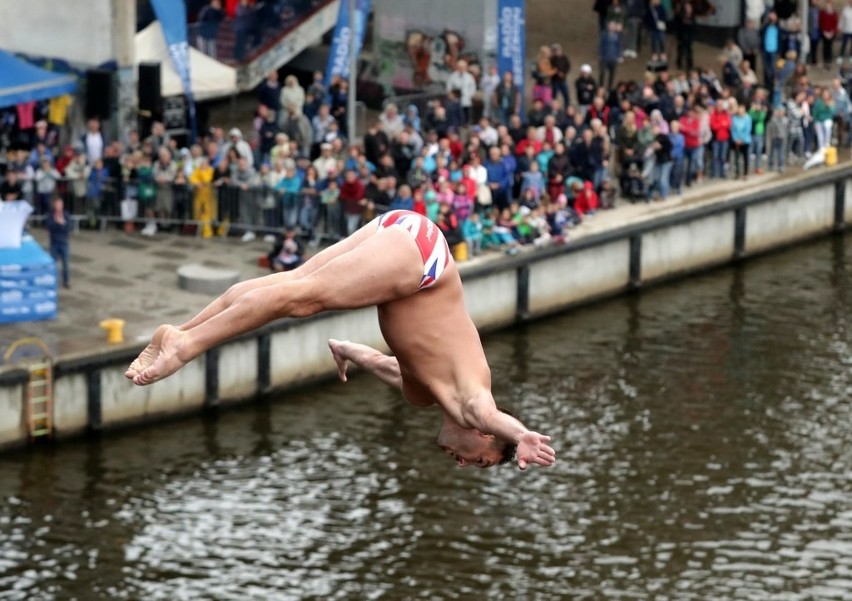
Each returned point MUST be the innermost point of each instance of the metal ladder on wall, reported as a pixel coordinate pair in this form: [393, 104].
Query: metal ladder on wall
[38, 391]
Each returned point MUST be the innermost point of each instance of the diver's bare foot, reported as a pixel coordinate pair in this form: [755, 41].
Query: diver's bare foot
[338, 353]
[147, 357]
[163, 357]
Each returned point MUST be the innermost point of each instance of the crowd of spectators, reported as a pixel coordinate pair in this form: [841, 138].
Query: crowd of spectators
[493, 169]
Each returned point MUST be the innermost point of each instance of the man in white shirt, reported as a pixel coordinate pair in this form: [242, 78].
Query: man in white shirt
[235, 140]
[93, 140]
[325, 163]
[462, 81]
[487, 134]
[488, 83]
[549, 132]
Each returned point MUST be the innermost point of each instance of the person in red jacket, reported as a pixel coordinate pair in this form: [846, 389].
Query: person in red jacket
[586, 200]
[829, 21]
[353, 199]
[530, 140]
[693, 151]
[419, 202]
[720, 125]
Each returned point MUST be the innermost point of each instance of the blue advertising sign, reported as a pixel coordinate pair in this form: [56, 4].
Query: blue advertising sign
[172, 18]
[511, 41]
[27, 283]
[338, 56]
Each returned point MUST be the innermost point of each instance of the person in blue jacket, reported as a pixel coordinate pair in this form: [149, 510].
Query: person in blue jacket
[58, 224]
[741, 126]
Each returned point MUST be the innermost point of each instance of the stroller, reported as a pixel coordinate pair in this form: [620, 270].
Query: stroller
[632, 180]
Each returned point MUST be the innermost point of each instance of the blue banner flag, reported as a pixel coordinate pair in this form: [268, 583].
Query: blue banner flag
[511, 42]
[172, 17]
[338, 56]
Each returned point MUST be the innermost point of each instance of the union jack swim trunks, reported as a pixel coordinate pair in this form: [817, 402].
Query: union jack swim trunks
[429, 239]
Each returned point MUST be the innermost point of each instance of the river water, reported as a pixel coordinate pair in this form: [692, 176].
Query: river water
[703, 440]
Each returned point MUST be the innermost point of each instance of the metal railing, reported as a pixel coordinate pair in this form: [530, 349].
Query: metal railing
[202, 210]
[421, 100]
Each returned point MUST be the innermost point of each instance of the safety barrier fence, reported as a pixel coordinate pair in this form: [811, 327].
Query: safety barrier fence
[421, 100]
[202, 210]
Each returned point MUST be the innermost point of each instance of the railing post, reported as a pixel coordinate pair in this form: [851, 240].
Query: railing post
[522, 311]
[635, 261]
[739, 232]
[264, 367]
[211, 379]
[93, 384]
[840, 205]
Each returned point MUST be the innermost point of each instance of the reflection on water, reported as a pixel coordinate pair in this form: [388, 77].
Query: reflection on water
[704, 453]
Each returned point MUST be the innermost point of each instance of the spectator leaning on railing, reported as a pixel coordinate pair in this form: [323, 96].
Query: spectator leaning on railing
[210, 18]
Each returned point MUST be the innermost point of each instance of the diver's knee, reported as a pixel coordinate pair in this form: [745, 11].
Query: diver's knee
[235, 291]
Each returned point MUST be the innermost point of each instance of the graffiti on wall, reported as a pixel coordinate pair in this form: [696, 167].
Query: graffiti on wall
[433, 57]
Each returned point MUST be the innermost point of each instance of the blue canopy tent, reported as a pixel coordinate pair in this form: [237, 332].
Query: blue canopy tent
[21, 81]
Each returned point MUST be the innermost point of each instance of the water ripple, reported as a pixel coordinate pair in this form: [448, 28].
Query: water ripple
[704, 453]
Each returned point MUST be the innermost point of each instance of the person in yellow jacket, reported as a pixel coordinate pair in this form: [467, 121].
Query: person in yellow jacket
[204, 202]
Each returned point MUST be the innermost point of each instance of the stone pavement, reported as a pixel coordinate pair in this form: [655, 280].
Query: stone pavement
[131, 277]
[128, 276]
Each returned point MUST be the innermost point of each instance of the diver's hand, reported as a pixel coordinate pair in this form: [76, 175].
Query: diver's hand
[532, 448]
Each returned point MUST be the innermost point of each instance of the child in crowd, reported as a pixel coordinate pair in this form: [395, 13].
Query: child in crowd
[455, 172]
[77, 173]
[777, 131]
[585, 199]
[46, 178]
[678, 156]
[490, 239]
[286, 254]
[288, 189]
[607, 194]
[523, 231]
[419, 202]
[533, 180]
[472, 232]
[98, 180]
[504, 228]
[403, 200]
[759, 114]
[449, 226]
[741, 136]
[181, 196]
[432, 205]
[543, 157]
[147, 193]
[796, 130]
[462, 203]
[540, 230]
[330, 199]
[445, 193]
[528, 199]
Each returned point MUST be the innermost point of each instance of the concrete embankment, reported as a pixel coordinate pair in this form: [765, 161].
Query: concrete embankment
[613, 255]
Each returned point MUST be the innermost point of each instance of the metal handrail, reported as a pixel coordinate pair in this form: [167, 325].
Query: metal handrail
[27, 341]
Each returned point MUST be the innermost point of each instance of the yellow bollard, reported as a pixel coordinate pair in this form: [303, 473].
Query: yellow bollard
[460, 252]
[114, 329]
[830, 156]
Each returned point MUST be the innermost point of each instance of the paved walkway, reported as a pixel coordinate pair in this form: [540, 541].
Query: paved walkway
[129, 276]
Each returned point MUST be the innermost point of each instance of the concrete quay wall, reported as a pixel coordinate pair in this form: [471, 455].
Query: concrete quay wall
[91, 393]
